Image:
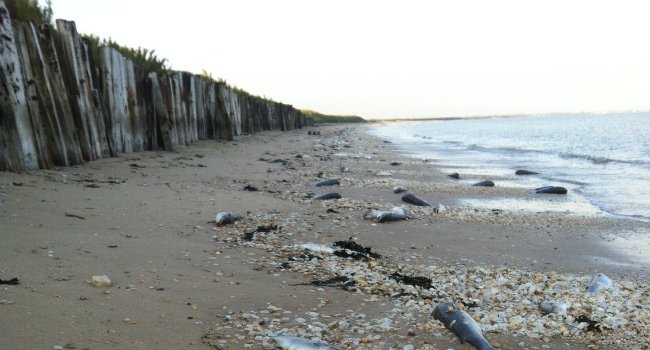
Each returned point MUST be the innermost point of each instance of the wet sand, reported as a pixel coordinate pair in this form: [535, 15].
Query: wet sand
[181, 282]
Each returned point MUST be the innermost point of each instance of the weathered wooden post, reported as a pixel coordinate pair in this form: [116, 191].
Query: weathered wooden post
[161, 114]
[17, 150]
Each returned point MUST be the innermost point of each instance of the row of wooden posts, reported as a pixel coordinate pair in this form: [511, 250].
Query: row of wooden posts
[60, 107]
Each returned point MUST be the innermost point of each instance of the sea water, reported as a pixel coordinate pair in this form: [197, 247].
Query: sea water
[602, 158]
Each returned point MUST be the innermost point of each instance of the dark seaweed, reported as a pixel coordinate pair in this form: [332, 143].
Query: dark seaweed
[267, 228]
[418, 281]
[363, 253]
[14, 281]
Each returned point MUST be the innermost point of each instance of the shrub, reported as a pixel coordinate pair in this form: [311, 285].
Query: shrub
[140, 57]
[320, 118]
[30, 11]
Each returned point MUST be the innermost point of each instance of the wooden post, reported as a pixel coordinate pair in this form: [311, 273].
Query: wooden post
[162, 116]
[18, 151]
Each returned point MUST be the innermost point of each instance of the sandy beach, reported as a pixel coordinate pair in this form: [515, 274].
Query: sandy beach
[179, 281]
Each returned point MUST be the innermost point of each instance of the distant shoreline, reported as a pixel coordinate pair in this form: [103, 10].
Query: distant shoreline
[370, 120]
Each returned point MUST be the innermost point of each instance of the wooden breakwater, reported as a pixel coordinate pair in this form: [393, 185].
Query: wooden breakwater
[61, 106]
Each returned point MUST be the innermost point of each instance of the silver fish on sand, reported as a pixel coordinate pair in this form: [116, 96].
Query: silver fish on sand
[461, 324]
[327, 196]
[295, 343]
[395, 214]
[600, 282]
[225, 218]
[316, 248]
[415, 200]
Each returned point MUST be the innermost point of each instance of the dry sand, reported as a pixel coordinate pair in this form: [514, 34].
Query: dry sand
[180, 282]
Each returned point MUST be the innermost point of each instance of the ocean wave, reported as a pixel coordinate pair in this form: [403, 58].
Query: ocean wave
[590, 158]
[601, 160]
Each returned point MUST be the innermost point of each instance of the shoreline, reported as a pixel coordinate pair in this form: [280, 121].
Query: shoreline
[610, 180]
[181, 282]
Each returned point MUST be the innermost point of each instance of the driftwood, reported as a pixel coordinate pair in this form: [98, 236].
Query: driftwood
[61, 106]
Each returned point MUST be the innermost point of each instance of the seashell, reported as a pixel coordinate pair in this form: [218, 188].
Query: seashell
[552, 307]
[600, 282]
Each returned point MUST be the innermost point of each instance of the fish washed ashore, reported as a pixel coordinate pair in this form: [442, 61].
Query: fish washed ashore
[294, 266]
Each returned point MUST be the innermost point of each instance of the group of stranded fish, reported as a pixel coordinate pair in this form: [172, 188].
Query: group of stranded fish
[455, 320]
[539, 190]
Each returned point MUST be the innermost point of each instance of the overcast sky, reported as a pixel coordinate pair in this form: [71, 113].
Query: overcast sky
[391, 59]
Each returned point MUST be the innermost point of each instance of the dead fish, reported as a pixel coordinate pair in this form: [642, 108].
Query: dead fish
[372, 214]
[225, 218]
[551, 190]
[413, 199]
[553, 307]
[326, 196]
[395, 214]
[525, 172]
[461, 324]
[295, 343]
[600, 282]
[330, 182]
[314, 247]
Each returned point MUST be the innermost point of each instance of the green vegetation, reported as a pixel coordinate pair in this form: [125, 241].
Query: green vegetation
[319, 118]
[30, 11]
[207, 76]
[140, 57]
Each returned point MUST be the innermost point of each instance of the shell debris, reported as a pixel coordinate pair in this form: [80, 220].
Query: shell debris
[501, 299]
